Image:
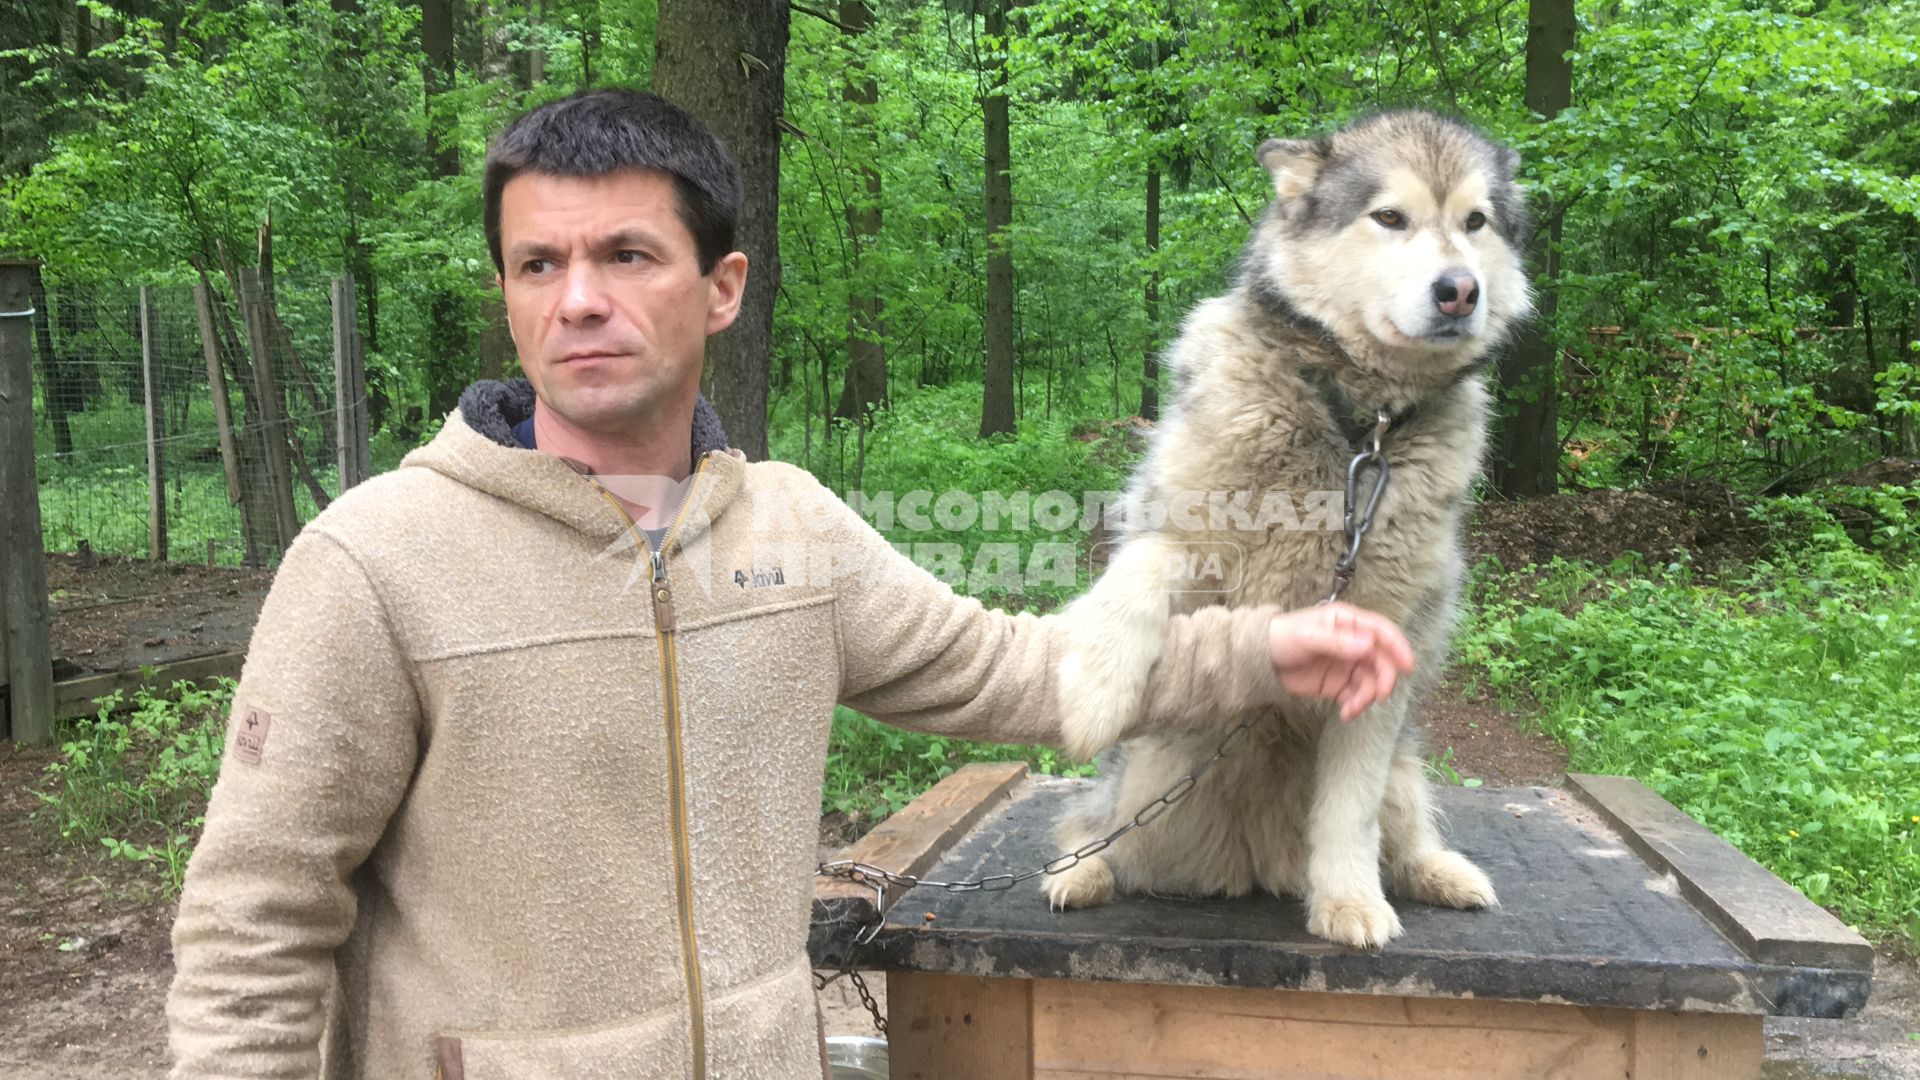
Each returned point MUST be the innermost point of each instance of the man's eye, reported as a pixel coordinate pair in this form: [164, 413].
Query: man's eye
[630, 257]
[1392, 219]
[1476, 221]
[535, 266]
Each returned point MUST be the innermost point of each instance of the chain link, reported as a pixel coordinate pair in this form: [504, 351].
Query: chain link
[1357, 522]
[1356, 528]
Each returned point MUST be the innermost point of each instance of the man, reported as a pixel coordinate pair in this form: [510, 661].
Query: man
[524, 768]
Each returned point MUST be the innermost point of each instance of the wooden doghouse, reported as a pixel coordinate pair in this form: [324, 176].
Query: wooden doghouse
[1631, 942]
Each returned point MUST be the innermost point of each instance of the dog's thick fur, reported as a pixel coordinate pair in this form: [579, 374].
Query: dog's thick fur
[1337, 309]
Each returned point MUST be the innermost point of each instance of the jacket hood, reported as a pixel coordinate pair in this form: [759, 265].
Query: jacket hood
[476, 447]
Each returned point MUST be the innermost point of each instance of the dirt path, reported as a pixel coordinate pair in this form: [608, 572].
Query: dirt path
[84, 954]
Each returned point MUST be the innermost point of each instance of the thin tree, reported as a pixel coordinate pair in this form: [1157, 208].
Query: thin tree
[866, 384]
[726, 63]
[1527, 458]
[996, 410]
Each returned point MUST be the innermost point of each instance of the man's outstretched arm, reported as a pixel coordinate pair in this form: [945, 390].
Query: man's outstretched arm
[916, 655]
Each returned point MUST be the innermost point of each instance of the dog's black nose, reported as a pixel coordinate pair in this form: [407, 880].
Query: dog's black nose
[1456, 291]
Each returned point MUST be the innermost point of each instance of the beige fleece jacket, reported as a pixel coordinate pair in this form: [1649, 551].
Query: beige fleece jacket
[502, 803]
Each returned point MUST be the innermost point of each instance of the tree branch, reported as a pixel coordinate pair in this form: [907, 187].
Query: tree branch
[823, 17]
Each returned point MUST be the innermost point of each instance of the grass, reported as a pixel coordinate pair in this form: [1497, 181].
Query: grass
[136, 783]
[99, 492]
[1776, 707]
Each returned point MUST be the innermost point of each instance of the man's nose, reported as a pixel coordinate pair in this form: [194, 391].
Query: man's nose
[585, 299]
[1456, 291]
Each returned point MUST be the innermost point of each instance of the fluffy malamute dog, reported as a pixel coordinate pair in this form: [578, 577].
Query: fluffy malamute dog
[1386, 270]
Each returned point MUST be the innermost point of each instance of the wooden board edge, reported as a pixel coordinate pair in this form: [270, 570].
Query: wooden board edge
[1639, 813]
[912, 841]
[74, 698]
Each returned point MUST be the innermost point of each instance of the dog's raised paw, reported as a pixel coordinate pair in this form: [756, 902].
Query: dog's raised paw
[1365, 922]
[1100, 696]
[1447, 879]
[1089, 883]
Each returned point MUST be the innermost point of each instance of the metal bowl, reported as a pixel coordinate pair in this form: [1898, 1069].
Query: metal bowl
[856, 1057]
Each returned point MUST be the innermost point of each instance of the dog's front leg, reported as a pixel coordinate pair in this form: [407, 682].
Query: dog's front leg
[1114, 637]
[1345, 901]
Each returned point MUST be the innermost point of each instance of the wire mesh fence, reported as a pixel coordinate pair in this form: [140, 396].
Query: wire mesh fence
[195, 422]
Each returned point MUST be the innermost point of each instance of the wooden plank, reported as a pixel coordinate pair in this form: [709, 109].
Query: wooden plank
[75, 697]
[1696, 1046]
[1108, 1031]
[23, 571]
[267, 399]
[362, 440]
[1765, 916]
[155, 407]
[912, 841]
[345, 426]
[958, 1027]
[217, 386]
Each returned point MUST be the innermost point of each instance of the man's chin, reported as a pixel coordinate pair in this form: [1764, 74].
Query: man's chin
[605, 410]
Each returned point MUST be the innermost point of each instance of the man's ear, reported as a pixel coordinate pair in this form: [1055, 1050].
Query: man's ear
[728, 281]
[1294, 164]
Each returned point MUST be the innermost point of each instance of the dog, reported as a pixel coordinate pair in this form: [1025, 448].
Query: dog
[1386, 271]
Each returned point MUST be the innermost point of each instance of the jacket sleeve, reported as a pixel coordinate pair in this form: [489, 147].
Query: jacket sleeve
[321, 742]
[917, 655]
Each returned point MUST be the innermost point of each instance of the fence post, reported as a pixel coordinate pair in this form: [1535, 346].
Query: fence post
[273, 428]
[24, 618]
[349, 388]
[156, 434]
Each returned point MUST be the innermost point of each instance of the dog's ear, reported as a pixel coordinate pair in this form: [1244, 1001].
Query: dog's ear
[1507, 159]
[1294, 164]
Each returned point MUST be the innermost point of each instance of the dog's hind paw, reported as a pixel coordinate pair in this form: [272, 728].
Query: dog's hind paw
[1447, 879]
[1089, 883]
[1366, 922]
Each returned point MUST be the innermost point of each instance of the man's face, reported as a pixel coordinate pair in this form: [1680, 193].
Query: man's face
[605, 299]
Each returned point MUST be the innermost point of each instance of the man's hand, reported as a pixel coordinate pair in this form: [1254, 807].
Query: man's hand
[1340, 652]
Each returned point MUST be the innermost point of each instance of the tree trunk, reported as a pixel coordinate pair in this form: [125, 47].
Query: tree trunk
[449, 349]
[1150, 360]
[536, 58]
[1527, 458]
[726, 63]
[866, 385]
[996, 411]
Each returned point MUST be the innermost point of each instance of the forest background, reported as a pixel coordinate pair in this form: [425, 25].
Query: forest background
[975, 224]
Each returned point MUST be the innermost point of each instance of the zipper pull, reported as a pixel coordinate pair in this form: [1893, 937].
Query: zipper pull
[662, 594]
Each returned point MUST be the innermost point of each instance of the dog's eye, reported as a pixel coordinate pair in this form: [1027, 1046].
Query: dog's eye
[1392, 219]
[1475, 221]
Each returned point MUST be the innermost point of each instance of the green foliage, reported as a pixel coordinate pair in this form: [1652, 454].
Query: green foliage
[924, 444]
[874, 770]
[1775, 708]
[136, 783]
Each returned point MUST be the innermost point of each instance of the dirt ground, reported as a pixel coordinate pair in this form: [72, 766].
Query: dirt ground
[84, 952]
[115, 614]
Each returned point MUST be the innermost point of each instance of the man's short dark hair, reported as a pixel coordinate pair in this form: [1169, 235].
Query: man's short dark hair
[600, 132]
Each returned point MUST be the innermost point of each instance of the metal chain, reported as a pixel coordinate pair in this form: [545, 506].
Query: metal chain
[1357, 528]
[821, 982]
[1358, 521]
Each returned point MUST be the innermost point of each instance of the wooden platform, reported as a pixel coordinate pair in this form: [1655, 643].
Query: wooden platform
[1631, 942]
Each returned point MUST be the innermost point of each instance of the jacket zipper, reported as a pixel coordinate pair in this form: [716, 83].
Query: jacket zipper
[663, 624]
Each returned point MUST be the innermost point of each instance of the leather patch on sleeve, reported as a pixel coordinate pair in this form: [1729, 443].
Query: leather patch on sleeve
[450, 1062]
[250, 735]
